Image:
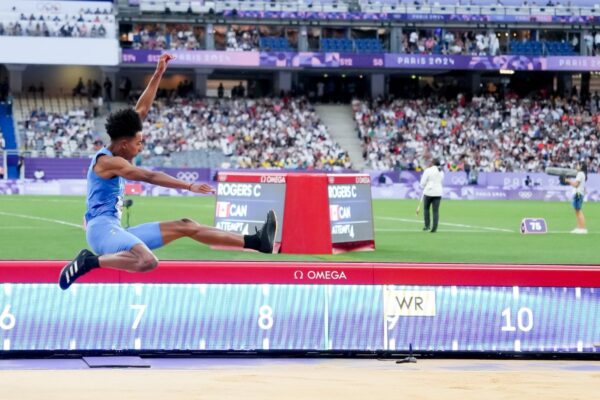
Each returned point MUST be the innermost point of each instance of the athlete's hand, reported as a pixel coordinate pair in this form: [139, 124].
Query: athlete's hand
[202, 188]
[164, 59]
[418, 209]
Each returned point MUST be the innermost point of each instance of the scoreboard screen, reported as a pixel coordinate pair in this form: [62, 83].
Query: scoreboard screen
[337, 207]
[350, 208]
[244, 199]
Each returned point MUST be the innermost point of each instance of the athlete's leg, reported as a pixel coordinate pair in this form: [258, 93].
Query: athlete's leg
[115, 248]
[262, 240]
[139, 259]
[173, 230]
[130, 250]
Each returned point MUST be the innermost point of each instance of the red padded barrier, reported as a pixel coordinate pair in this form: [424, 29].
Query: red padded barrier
[319, 273]
[306, 228]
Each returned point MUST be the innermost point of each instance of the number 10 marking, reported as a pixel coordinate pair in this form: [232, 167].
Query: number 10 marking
[509, 327]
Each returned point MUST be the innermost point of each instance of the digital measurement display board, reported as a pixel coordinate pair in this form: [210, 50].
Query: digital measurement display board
[137, 316]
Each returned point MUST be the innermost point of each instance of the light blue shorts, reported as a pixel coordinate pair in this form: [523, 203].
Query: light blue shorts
[105, 235]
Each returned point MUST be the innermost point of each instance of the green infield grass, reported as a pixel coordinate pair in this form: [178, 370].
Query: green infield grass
[49, 228]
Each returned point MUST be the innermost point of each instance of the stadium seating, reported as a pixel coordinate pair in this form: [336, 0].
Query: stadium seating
[529, 48]
[275, 44]
[484, 7]
[208, 6]
[368, 46]
[349, 45]
[538, 48]
[559, 49]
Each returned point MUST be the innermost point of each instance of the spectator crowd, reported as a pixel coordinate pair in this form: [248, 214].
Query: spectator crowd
[488, 134]
[254, 133]
[449, 43]
[266, 133]
[45, 134]
[189, 37]
[166, 37]
[81, 25]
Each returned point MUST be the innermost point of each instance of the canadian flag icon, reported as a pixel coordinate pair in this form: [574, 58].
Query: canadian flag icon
[334, 212]
[222, 209]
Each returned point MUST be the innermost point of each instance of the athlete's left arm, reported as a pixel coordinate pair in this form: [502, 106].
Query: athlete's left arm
[111, 166]
[147, 98]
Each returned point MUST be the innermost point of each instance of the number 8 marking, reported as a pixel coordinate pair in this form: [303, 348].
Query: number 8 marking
[265, 318]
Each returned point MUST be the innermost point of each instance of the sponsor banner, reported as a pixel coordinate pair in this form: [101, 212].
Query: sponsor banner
[251, 177]
[450, 15]
[559, 193]
[76, 168]
[352, 60]
[195, 57]
[359, 179]
[130, 56]
[573, 63]
[78, 187]
[331, 275]
[60, 50]
[503, 180]
[187, 174]
[321, 60]
[398, 185]
[435, 61]
[216, 58]
[56, 168]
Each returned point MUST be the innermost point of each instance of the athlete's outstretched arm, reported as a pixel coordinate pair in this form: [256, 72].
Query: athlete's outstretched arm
[108, 167]
[147, 98]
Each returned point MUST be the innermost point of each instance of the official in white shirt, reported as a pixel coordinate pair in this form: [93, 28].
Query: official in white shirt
[578, 192]
[431, 183]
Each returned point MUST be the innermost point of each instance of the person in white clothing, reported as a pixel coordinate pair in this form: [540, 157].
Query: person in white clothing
[578, 192]
[431, 183]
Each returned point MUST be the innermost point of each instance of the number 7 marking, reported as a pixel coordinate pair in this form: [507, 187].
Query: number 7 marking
[141, 308]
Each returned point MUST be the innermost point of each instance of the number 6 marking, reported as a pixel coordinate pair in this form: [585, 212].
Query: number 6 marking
[141, 308]
[6, 315]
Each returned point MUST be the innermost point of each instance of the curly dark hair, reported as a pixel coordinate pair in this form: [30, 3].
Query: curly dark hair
[123, 123]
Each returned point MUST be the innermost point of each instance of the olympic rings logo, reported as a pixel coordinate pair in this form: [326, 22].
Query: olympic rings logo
[188, 176]
[525, 195]
[457, 180]
[51, 8]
